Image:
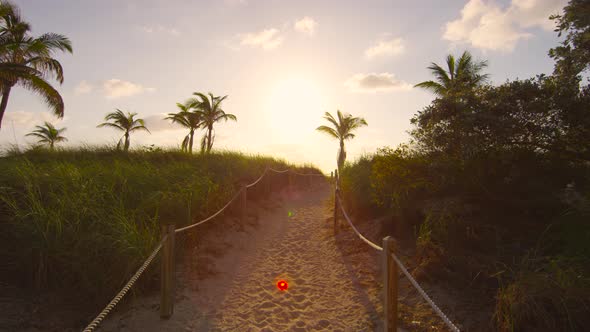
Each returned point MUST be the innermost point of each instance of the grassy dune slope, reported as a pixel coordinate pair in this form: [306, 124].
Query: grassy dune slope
[86, 218]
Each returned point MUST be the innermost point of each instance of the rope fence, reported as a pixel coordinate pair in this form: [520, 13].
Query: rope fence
[94, 324]
[390, 316]
[167, 242]
[212, 216]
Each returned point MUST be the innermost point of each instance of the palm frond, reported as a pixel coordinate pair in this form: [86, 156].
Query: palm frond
[111, 125]
[226, 116]
[433, 86]
[136, 128]
[451, 67]
[47, 65]
[54, 41]
[329, 131]
[50, 95]
[331, 119]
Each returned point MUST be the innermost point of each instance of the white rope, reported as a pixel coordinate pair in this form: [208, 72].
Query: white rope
[354, 228]
[304, 174]
[436, 309]
[236, 196]
[260, 178]
[404, 270]
[211, 217]
[94, 324]
[277, 171]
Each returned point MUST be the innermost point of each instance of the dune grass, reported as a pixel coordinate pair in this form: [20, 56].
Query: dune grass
[86, 218]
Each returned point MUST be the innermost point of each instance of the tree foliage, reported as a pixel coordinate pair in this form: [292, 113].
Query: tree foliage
[341, 129]
[29, 61]
[208, 108]
[188, 119]
[48, 134]
[127, 123]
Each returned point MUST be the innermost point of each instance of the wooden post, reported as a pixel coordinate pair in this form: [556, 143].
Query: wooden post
[390, 286]
[244, 202]
[331, 176]
[167, 274]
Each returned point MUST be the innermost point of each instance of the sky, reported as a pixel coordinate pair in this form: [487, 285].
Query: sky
[283, 64]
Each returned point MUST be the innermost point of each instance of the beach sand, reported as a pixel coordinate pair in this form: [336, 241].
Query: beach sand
[228, 281]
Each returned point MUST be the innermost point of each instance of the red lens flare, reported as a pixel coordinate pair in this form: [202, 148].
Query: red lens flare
[282, 285]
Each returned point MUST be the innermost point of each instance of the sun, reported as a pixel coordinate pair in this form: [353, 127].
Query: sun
[294, 107]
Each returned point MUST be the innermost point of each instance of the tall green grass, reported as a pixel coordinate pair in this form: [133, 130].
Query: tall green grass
[86, 218]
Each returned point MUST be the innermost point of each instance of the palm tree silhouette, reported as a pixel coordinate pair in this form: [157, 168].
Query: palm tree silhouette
[461, 74]
[124, 122]
[209, 108]
[48, 134]
[18, 49]
[187, 119]
[341, 129]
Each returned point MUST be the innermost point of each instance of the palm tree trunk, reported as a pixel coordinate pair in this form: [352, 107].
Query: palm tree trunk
[51, 145]
[341, 158]
[4, 102]
[190, 143]
[127, 141]
[209, 135]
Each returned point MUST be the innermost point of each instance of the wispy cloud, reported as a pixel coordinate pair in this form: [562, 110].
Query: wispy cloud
[488, 26]
[386, 47]
[25, 119]
[306, 25]
[116, 88]
[375, 82]
[83, 88]
[267, 39]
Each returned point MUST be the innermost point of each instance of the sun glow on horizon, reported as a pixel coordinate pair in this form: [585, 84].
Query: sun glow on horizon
[294, 108]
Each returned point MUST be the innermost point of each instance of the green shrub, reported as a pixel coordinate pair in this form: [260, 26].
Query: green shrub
[544, 293]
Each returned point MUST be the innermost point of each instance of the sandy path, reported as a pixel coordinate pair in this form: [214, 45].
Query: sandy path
[229, 283]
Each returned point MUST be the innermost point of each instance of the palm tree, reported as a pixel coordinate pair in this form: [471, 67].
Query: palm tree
[461, 75]
[124, 122]
[210, 111]
[341, 130]
[19, 49]
[187, 119]
[48, 134]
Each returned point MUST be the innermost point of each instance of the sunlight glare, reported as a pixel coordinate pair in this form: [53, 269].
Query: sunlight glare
[294, 107]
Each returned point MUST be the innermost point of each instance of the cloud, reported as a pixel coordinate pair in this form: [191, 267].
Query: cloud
[26, 119]
[268, 39]
[116, 88]
[306, 25]
[156, 122]
[386, 47]
[160, 29]
[487, 26]
[83, 88]
[374, 82]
